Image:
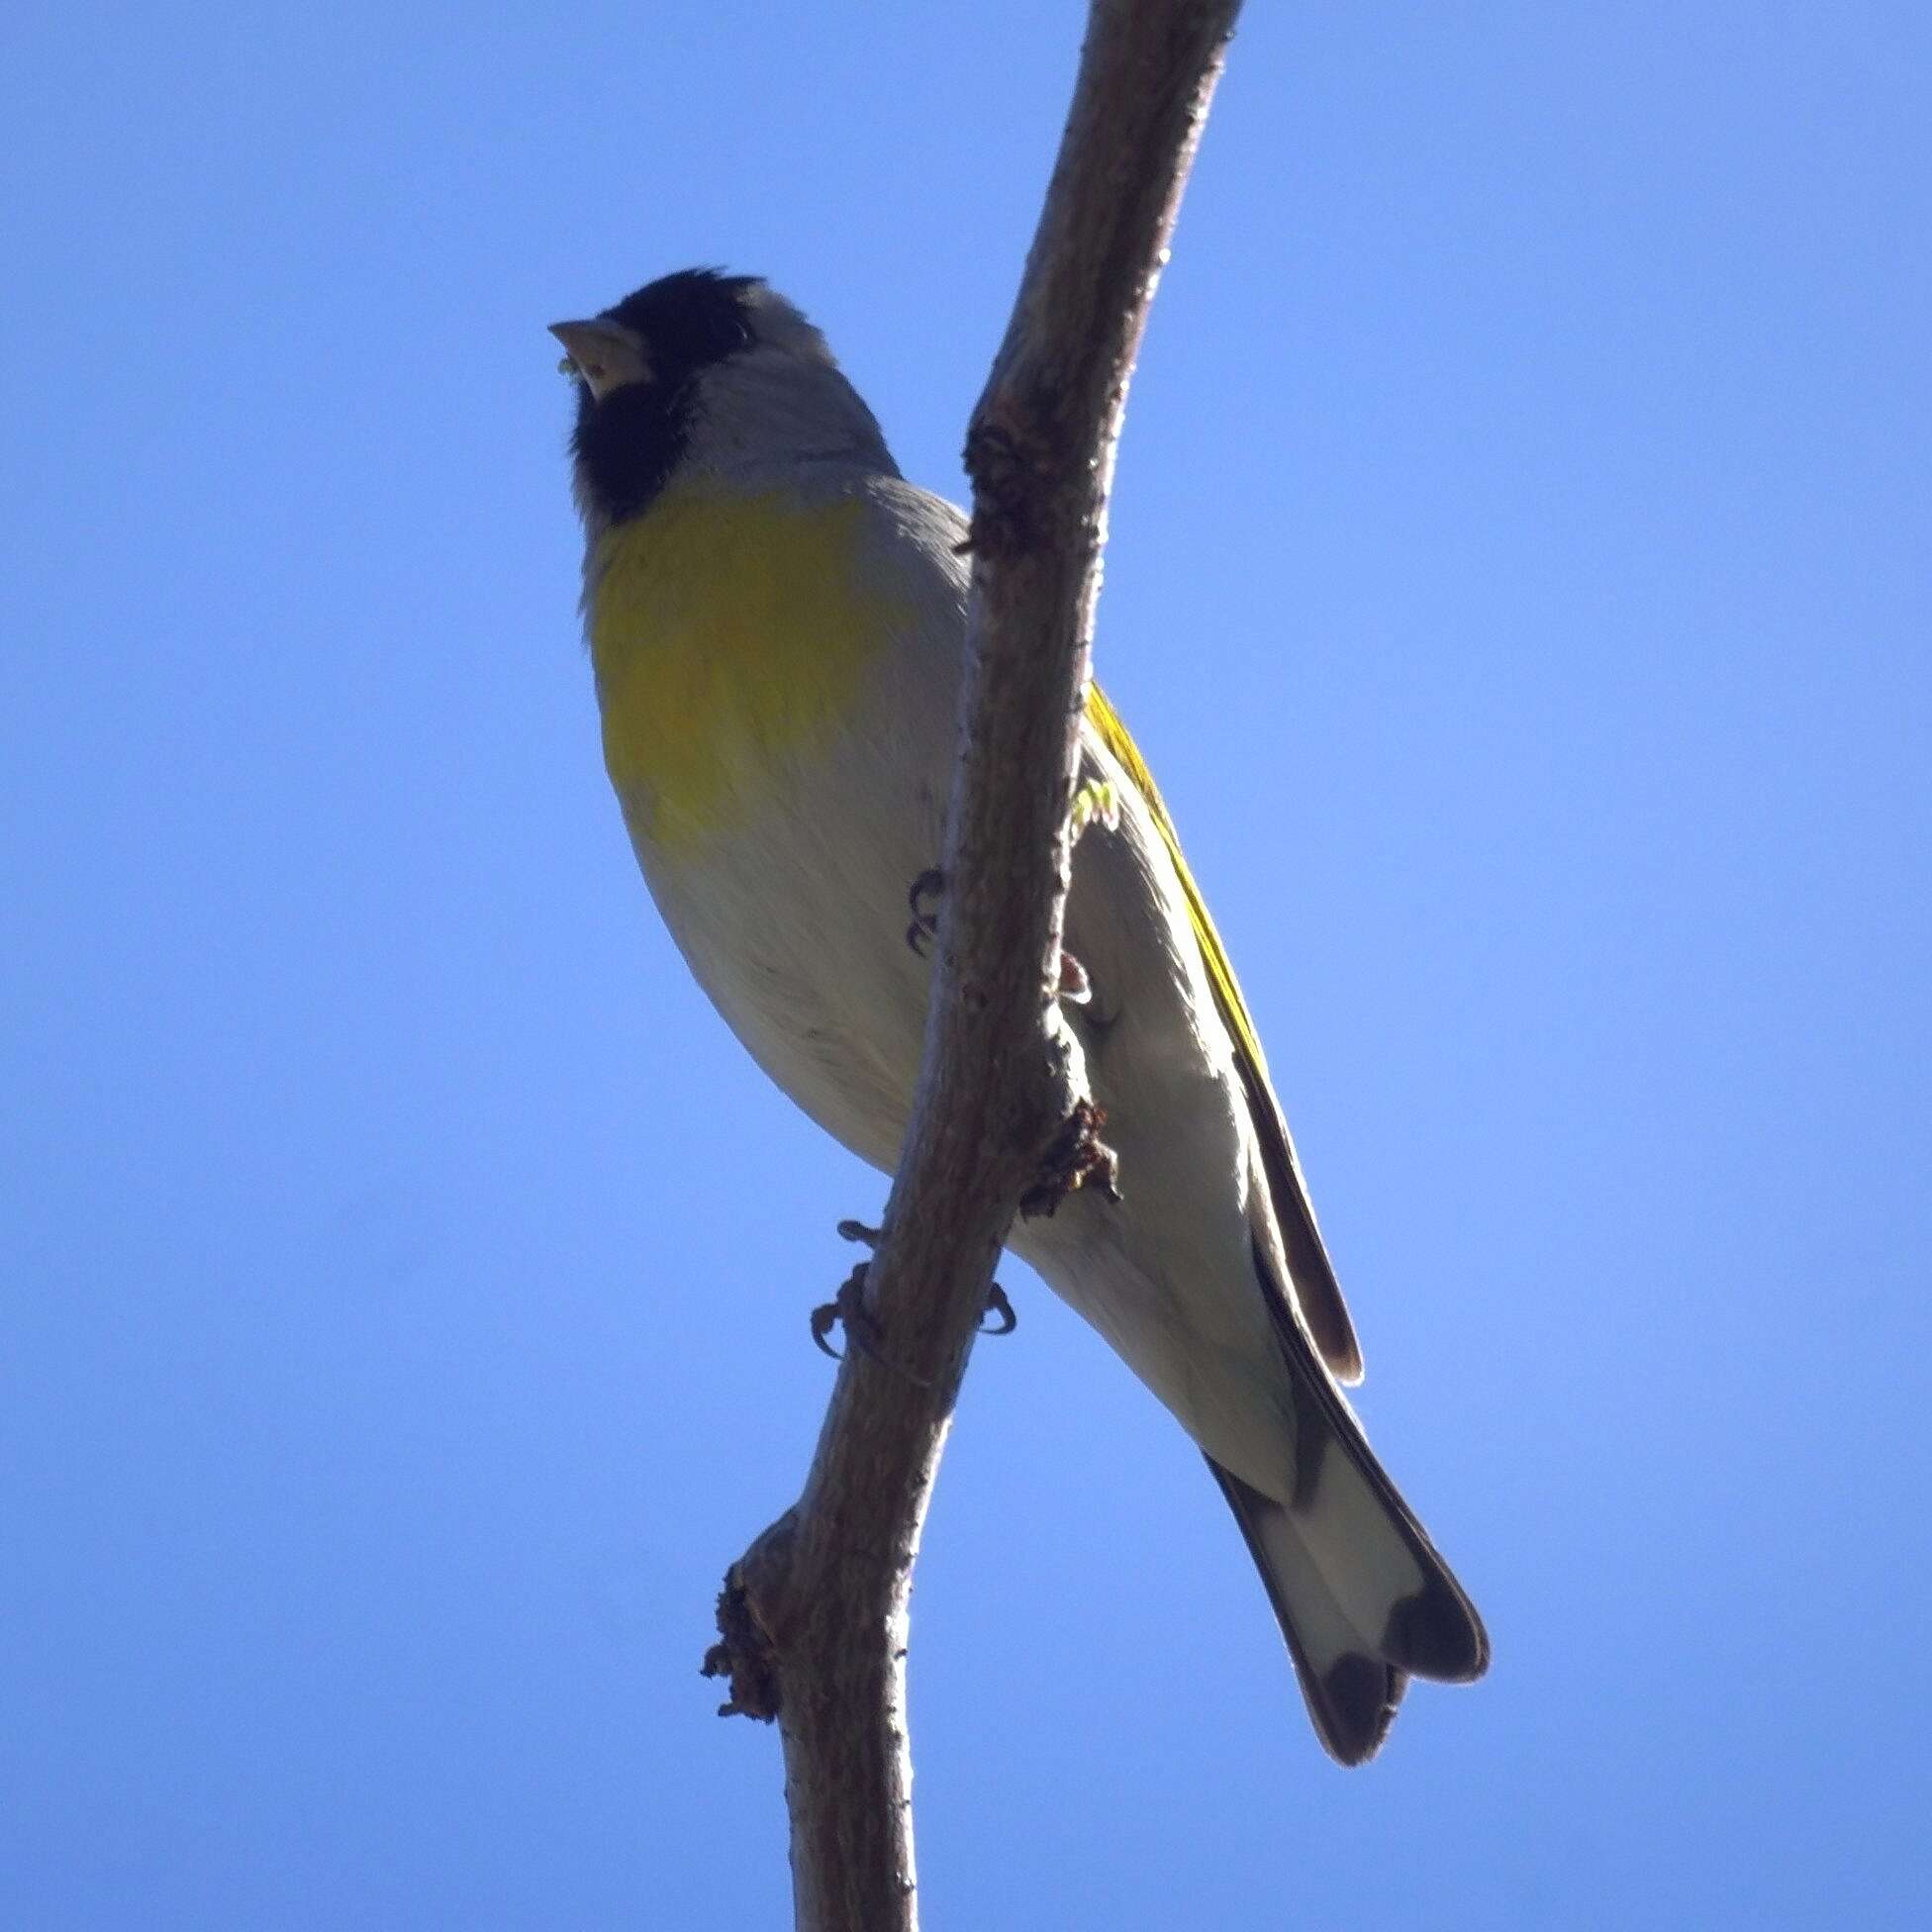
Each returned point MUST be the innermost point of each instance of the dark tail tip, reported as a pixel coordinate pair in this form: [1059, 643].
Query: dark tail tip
[1354, 1705]
[1437, 1634]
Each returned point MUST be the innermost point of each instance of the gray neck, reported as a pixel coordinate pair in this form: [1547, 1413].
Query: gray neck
[773, 410]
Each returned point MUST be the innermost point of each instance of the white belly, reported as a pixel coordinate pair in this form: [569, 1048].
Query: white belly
[794, 926]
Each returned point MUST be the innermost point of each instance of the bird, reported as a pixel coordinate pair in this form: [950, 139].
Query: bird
[777, 626]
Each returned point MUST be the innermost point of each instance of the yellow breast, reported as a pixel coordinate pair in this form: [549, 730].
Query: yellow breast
[730, 637]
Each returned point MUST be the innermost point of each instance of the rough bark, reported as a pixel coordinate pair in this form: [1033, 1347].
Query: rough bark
[814, 1616]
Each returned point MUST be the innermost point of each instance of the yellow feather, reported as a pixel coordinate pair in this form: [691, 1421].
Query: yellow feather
[730, 635]
[1314, 1274]
[1220, 972]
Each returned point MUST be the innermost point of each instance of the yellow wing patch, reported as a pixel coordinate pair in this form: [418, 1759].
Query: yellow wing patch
[729, 635]
[1228, 992]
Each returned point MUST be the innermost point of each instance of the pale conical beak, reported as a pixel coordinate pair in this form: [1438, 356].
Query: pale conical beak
[606, 354]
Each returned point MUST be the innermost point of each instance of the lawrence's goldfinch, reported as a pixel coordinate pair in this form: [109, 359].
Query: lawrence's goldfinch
[778, 622]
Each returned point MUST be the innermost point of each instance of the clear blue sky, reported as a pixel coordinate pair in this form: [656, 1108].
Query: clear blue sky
[1520, 584]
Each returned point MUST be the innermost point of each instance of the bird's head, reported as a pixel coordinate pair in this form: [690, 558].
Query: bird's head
[704, 377]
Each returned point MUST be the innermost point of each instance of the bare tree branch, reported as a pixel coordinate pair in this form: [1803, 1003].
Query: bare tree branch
[814, 1614]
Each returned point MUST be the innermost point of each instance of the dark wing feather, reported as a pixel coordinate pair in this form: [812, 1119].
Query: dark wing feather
[1315, 1286]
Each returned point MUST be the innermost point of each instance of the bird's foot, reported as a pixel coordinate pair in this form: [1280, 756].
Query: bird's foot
[924, 898]
[1079, 1158]
[1075, 987]
[1096, 803]
[848, 1306]
[997, 1306]
[846, 1309]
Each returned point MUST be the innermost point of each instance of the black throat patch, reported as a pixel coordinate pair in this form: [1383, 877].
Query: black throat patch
[628, 446]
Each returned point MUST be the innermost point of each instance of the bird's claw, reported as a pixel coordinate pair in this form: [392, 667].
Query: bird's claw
[924, 927]
[998, 1305]
[846, 1309]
